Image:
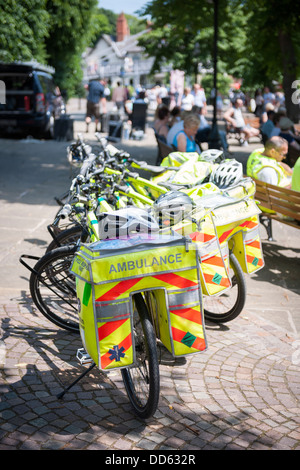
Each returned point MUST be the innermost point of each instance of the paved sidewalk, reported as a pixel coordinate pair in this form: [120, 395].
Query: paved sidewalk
[242, 393]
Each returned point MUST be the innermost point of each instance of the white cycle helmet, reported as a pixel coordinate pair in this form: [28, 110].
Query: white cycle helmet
[227, 173]
[211, 155]
[172, 207]
[121, 223]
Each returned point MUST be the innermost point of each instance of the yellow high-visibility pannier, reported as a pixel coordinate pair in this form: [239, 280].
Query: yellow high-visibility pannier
[109, 272]
[238, 225]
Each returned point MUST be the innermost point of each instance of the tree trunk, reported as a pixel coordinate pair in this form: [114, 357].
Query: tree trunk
[289, 68]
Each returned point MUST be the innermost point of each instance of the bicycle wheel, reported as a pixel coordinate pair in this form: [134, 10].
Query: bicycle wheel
[69, 236]
[226, 307]
[142, 380]
[53, 289]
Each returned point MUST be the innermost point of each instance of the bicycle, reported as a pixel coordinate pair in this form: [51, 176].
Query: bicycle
[85, 229]
[111, 301]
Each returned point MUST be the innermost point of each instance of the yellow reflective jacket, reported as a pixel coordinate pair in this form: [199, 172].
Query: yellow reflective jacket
[256, 162]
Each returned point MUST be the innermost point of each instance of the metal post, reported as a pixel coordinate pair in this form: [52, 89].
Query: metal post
[214, 139]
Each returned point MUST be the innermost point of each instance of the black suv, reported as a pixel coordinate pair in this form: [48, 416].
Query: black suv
[29, 100]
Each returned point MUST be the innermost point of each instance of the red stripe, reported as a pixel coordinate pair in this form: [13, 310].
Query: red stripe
[224, 281]
[214, 260]
[175, 280]
[251, 258]
[199, 344]
[225, 235]
[119, 289]
[126, 343]
[109, 327]
[178, 335]
[255, 244]
[201, 236]
[247, 223]
[188, 314]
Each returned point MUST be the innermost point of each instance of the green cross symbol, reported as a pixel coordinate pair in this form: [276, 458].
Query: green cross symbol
[217, 278]
[188, 339]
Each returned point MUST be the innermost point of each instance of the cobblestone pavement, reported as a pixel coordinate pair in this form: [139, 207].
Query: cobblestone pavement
[242, 393]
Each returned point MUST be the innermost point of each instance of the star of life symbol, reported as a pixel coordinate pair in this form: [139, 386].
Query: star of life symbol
[116, 353]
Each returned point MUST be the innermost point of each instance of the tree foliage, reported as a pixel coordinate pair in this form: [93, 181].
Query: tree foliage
[23, 28]
[258, 40]
[55, 32]
[70, 33]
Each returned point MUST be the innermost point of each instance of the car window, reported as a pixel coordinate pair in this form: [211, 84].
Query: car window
[46, 84]
[17, 81]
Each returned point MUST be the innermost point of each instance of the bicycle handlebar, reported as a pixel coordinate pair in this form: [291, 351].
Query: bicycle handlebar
[65, 211]
[87, 164]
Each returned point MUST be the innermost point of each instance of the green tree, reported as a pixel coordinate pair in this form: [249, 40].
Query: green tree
[136, 25]
[181, 34]
[23, 28]
[70, 32]
[274, 35]
[101, 23]
[259, 40]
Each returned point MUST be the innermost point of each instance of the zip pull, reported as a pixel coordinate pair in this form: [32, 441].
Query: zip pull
[187, 242]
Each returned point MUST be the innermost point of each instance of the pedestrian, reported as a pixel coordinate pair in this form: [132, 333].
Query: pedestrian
[119, 96]
[187, 100]
[199, 98]
[95, 97]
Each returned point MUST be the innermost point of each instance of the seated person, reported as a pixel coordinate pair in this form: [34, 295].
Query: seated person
[266, 108]
[266, 164]
[175, 128]
[160, 126]
[234, 117]
[203, 134]
[286, 132]
[184, 140]
[268, 126]
[175, 116]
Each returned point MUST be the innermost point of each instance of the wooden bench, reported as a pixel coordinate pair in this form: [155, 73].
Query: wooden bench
[285, 204]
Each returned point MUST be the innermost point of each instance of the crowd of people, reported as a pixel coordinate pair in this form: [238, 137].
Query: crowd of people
[184, 127]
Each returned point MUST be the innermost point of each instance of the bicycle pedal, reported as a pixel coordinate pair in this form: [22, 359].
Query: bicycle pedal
[83, 357]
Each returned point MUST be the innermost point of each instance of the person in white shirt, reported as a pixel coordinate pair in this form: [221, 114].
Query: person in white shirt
[199, 98]
[187, 100]
[234, 116]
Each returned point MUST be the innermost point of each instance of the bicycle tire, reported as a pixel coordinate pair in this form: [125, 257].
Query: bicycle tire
[69, 236]
[53, 290]
[142, 380]
[235, 296]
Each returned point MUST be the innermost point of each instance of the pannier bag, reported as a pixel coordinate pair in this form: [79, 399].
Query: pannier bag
[238, 224]
[109, 272]
[213, 270]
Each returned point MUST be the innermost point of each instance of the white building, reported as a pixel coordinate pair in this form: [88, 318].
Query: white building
[121, 59]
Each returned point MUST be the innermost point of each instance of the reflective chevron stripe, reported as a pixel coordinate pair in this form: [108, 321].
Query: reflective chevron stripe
[253, 252]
